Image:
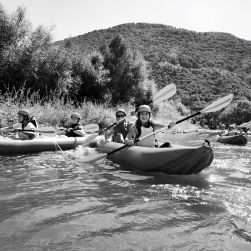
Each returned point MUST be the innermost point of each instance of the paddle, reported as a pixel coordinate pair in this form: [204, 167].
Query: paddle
[162, 95]
[215, 106]
[90, 128]
[40, 130]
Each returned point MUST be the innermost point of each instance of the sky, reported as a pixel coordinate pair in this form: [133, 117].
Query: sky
[77, 17]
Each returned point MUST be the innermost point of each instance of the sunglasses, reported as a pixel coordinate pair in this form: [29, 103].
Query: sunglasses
[120, 116]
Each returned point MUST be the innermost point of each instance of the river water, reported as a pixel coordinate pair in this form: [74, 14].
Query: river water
[55, 201]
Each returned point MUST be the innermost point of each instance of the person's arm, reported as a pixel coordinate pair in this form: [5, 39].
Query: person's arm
[28, 131]
[11, 128]
[78, 130]
[80, 133]
[131, 136]
[7, 129]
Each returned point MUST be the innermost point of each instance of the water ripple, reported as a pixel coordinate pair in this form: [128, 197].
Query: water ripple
[56, 201]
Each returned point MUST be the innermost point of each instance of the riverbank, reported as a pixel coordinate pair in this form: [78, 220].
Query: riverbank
[55, 111]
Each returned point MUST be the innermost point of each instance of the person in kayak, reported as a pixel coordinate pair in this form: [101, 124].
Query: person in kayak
[25, 128]
[74, 128]
[231, 130]
[119, 132]
[144, 126]
[223, 131]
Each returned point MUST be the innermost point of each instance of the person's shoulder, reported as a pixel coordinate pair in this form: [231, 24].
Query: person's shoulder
[30, 126]
[79, 127]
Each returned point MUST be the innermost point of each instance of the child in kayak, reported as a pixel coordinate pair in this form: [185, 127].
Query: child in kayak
[119, 132]
[223, 131]
[25, 128]
[231, 130]
[74, 128]
[144, 126]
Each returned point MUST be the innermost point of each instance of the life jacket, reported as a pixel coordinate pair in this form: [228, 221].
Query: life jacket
[28, 120]
[25, 127]
[122, 128]
[149, 141]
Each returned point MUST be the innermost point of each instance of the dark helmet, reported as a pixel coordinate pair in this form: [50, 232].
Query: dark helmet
[76, 115]
[24, 112]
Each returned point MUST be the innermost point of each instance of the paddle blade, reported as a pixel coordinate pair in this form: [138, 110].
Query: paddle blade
[90, 139]
[165, 93]
[91, 128]
[218, 104]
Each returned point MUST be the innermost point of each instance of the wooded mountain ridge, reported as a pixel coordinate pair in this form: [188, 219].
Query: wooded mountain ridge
[203, 65]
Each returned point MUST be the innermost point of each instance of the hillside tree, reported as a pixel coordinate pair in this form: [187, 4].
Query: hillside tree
[127, 71]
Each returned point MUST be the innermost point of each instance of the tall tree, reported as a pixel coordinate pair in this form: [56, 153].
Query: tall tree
[128, 74]
[93, 77]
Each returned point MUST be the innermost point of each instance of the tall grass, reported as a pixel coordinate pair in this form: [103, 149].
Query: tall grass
[56, 110]
[52, 111]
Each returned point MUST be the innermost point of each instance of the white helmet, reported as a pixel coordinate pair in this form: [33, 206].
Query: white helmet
[144, 108]
[76, 115]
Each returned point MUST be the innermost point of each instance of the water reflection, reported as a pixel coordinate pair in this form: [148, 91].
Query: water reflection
[56, 201]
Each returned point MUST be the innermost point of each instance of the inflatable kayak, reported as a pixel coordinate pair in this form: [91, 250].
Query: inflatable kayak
[10, 146]
[234, 140]
[171, 160]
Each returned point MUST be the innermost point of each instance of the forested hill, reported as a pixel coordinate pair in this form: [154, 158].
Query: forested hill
[203, 65]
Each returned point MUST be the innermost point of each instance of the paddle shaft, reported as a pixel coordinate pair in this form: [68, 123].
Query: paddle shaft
[193, 115]
[39, 131]
[35, 130]
[107, 128]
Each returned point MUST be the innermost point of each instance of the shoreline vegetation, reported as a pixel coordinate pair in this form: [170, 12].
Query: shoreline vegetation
[55, 111]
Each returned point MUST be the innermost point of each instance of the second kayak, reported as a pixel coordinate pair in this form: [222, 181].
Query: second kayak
[234, 140]
[9, 146]
[171, 160]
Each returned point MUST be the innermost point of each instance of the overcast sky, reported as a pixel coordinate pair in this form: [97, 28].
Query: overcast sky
[76, 17]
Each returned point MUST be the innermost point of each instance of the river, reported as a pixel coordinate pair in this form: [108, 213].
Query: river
[55, 201]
